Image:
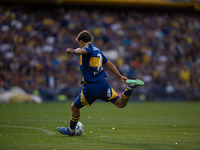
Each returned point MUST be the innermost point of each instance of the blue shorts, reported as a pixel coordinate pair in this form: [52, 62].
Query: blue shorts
[93, 91]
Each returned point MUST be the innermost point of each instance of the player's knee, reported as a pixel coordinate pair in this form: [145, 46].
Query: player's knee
[73, 107]
[120, 103]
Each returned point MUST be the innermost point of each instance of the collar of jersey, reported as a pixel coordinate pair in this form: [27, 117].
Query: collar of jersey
[87, 45]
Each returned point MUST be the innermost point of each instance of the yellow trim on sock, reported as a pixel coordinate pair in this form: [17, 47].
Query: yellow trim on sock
[74, 119]
[124, 96]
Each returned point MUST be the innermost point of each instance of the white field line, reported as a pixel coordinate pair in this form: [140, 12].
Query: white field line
[48, 132]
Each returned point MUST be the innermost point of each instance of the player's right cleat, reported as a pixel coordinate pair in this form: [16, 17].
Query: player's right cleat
[134, 83]
[66, 130]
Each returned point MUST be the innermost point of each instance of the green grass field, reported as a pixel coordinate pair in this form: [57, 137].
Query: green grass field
[139, 126]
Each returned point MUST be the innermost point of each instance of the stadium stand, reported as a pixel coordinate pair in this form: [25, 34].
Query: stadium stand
[160, 47]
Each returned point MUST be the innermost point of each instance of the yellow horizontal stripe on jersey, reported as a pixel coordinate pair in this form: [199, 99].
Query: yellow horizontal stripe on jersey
[114, 94]
[94, 62]
[83, 99]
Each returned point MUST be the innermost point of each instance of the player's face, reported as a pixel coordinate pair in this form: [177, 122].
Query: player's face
[81, 43]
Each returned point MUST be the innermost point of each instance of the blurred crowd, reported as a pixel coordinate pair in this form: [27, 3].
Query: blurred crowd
[162, 48]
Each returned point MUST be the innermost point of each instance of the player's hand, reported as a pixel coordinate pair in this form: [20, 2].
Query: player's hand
[70, 50]
[123, 79]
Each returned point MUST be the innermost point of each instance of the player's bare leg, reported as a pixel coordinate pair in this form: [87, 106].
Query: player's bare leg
[75, 115]
[75, 110]
[123, 100]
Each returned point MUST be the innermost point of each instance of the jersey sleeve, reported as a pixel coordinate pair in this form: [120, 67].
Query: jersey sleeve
[105, 59]
[88, 50]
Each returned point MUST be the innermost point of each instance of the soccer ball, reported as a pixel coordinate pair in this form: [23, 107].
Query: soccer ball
[79, 129]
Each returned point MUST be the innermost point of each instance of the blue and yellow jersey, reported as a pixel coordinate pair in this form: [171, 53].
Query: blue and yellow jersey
[91, 64]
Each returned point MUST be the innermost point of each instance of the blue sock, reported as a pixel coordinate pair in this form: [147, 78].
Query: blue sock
[127, 93]
[73, 121]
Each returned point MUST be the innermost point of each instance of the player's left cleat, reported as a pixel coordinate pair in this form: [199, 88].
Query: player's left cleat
[134, 83]
[66, 130]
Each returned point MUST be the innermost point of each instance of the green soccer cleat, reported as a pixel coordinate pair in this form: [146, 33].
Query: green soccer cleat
[134, 83]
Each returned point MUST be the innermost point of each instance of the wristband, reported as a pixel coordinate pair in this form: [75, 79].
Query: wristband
[74, 51]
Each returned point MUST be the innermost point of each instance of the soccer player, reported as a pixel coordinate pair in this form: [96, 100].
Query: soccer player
[93, 79]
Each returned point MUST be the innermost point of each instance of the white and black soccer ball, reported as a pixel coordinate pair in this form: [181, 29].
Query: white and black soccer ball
[79, 129]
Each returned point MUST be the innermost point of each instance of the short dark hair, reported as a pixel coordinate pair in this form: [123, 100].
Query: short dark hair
[85, 36]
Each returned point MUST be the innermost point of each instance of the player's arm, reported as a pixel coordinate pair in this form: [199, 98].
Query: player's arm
[78, 51]
[116, 72]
